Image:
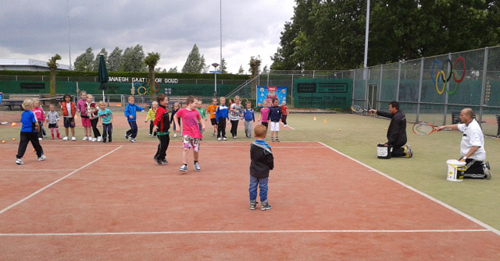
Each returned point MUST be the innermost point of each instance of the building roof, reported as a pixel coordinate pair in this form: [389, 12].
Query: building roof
[28, 65]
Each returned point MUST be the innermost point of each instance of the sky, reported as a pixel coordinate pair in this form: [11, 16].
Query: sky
[39, 29]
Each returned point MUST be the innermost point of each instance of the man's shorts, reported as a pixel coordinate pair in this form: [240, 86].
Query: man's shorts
[188, 142]
[213, 121]
[86, 122]
[69, 122]
[275, 126]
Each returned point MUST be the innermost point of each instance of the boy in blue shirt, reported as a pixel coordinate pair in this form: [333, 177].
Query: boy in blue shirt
[249, 116]
[29, 132]
[130, 113]
[262, 161]
[221, 114]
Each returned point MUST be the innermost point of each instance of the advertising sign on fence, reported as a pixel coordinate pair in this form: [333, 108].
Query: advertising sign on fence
[270, 92]
[322, 93]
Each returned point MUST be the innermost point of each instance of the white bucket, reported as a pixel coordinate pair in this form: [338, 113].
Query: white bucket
[454, 170]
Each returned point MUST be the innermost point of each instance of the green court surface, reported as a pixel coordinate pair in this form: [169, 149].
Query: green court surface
[357, 137]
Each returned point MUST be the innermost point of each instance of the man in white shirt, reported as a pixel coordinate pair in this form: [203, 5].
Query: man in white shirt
[472, 146]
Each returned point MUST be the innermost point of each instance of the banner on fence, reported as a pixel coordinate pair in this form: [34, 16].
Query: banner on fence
[267, 93]
[322, 93]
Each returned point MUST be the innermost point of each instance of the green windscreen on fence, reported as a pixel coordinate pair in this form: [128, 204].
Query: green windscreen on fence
[322, 93]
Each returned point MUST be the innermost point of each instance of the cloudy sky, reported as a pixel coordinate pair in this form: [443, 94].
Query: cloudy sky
[39, 29]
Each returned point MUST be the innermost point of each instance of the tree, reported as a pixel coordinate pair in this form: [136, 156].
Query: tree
[254, 70]
[133, 59]
[241, 71]
[84, 62]
[53, 71]
[195, 63]
[151, 61]
[224, 66]
[115, 60]
[173, 70]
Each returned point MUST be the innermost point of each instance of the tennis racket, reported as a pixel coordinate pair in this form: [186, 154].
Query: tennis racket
[357, 109]
[423, 128]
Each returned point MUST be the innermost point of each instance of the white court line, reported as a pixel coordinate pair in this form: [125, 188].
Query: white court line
[55, 182]
[490, 228]
[37, 170]
[243, 232]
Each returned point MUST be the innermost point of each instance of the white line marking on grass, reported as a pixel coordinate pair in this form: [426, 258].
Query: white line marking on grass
[242, 232]
[55, 182]
[490, 228]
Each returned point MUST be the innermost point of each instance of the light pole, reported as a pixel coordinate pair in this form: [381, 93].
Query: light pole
[215, 65]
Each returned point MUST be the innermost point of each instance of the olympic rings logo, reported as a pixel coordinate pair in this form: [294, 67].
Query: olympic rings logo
[446, 78]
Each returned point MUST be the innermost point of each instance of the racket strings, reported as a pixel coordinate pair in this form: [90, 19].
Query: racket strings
[423, 129]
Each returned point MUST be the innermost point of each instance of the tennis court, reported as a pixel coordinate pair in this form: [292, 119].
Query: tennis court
[117, 204]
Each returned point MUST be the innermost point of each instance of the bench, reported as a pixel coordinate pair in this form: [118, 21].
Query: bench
[18, 99]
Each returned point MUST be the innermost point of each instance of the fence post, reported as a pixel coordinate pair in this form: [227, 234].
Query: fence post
[399, 81]
[422, 60]
[483, 85]
[380, 87]
[353, 86]
[445, 107]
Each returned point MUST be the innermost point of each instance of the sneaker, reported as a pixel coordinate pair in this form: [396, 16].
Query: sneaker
[253, 205]
[164, 161]
[175, 135]
[65, 138]
[407, 150]
[197, 166]
[59, 137]
[184, 168]
[52, 138]
[99, 138]
[126, 136]
[277, 139]
[132, 140]
[150, 134]
[219, 139]
[486, 170]
[85, 138]
[40, 139]
[94, 139]
[213, 134]
[19, 162]
[235, 137]
[224, 138]
[272, 139]
[103, 141]
[265, 206]
[42, 158]
[158, 161]
[73, 138]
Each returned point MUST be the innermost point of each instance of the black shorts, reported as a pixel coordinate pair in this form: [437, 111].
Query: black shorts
[213, 121]
[69, 122]
[53, 125]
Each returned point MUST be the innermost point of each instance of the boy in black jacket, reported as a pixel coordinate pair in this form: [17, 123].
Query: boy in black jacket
[161, 127]
[262, 162]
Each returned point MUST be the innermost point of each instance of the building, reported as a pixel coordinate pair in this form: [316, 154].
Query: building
[28, 65]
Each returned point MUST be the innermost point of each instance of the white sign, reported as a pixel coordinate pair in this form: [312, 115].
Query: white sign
[133, 79]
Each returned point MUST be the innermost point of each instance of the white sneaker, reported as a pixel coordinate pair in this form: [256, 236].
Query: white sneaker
[132, 140]
[65, 138]
[219, 139]
[175, 135]
[94, 139]
[42, 158]
[99, 138]
[19, 162]
[73, 138]
[85, 138]
[224, 138]
[40, 139]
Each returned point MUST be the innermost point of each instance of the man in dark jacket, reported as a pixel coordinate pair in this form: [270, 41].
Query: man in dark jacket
[396, 134]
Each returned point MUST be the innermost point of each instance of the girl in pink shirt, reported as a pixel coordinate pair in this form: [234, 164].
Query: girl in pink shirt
[81, 107]
[40, 117]
[191, 134]
[264, 112]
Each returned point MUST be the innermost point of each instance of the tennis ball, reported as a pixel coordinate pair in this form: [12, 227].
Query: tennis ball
[14, 124]
[34, 150]
[340, 129]
[3, 141]
[13, 139]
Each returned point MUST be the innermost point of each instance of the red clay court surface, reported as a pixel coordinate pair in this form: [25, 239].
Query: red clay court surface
[112, 202]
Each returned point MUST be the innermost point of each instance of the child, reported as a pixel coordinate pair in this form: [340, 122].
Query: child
[81, 107]
[235, 112]
[190, 132]
[262, 161]
[40, 116]
[162, 126]
[249, 116]
[275, 117]
[202, 112]
[221, 114]
[52, 118]
[264, 113]
[211, 110]
[29, 131]
[68, 109]
[92, 111]
[175, 109]
[284, 113]
[131, 113]
[106, 117]
[151, 117]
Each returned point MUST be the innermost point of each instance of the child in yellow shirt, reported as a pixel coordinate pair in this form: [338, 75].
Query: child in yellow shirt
[151, 117]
